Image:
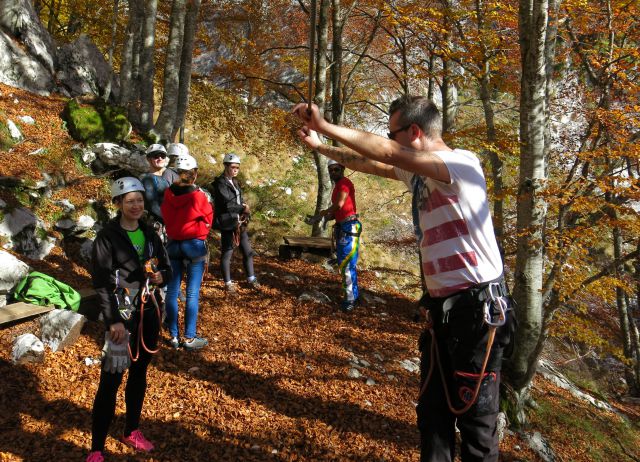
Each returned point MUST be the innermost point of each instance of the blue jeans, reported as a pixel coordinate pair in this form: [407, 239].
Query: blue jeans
[192, 252]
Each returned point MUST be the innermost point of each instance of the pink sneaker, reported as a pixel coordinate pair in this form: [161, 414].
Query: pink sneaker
[137, 441]
[95, 456]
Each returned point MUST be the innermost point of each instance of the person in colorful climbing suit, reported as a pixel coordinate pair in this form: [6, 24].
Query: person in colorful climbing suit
[346, 232]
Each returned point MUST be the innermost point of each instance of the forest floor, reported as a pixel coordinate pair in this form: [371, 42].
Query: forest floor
[273, 384]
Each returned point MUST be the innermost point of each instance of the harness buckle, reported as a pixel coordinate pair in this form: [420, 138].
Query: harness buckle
[123, 303]
[494, 302]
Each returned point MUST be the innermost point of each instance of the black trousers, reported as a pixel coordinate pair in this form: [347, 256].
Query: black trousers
[104, 405]
[462, 345]
[226, 251]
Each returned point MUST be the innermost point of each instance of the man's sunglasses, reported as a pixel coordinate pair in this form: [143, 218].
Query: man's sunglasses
[392, 135]
[334, 169]
[159, 155]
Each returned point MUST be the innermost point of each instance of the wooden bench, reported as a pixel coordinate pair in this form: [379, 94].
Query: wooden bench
[294, 246]
[20, 310]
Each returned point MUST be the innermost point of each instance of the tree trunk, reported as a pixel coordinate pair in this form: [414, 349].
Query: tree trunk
[190, 25]
[448, 89]
[336, 65]
[623, 314]
[496, 162]
[489, 118]
[449, 100]
[128, 65]
[168, 110]
[633, 328]
[324, 182]
[135, 103]
[432, 80]
[51, 21]
[114, 30]
[147, 65]
[532, 181]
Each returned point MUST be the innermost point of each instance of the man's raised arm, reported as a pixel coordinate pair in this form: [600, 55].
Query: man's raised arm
[345, 156]
[374, 147]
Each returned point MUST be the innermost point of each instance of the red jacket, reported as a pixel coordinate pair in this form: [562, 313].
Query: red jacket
[186, 212]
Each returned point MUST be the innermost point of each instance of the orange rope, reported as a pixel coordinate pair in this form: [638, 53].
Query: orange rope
[435, 354]
[144, 296]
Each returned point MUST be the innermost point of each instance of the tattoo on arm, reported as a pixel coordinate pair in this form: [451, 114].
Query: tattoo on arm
[355, 161]
[343, 155]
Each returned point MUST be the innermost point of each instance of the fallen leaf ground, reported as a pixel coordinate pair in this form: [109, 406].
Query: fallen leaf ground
[272, 384]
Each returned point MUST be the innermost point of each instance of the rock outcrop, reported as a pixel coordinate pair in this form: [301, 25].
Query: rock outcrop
[27, 51]
[29, 58]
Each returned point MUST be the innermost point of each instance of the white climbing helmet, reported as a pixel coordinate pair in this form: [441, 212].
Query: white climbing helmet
[125, 185]
[185, 162]
[156, 148]
[175, 149]
[331, 162]
[231, 158]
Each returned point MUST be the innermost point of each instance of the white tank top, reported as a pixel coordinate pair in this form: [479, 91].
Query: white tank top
[458, 244]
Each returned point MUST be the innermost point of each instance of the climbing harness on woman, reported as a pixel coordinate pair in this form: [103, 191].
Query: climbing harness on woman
[129, 267]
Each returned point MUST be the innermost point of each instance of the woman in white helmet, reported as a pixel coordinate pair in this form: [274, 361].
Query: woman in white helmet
[232, 215]
[187, 215]
[119, 271]
[155, 182]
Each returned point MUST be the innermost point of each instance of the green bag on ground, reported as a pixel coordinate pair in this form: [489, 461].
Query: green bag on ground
[41, 289]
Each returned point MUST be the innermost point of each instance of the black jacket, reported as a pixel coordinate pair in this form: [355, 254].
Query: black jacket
[226, 203]
[113, 250]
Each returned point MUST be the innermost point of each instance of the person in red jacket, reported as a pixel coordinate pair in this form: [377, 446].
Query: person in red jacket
[187, 216]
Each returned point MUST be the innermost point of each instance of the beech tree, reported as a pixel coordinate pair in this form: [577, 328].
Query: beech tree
[527, 291]
[186, 60]
[168, 110]
[177, 68]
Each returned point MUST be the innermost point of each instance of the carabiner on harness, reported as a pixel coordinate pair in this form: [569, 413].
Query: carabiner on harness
[123, 299]
[495, 306]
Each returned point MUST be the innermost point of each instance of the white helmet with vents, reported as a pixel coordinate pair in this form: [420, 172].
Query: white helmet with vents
[185, 162]
[231, 158]
[175, 149]
[125, 185]
[156, 148]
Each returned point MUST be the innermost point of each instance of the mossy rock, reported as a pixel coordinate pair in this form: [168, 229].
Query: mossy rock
[97, 122]
[6, 140]
[84, 122]
[117, 126]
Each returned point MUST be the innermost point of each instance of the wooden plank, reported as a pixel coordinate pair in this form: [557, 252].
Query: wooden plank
[20, 310]
[308, 242]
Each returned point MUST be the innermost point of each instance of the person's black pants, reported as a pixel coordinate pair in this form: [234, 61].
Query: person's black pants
[437, 424]
[226, 251]
[462, 345]
[104, 405]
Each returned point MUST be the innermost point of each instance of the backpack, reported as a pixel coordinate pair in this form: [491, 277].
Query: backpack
[42, 289]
